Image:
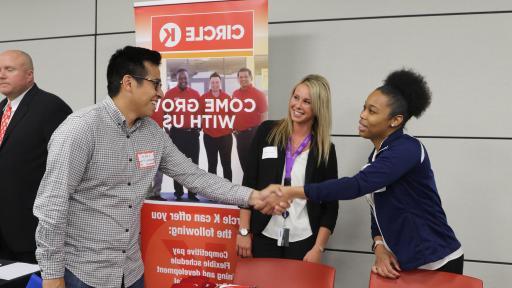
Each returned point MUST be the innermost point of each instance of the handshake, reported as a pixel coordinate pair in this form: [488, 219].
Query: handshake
[274, 199]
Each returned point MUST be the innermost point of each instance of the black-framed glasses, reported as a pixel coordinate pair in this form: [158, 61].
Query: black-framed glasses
[156, 82]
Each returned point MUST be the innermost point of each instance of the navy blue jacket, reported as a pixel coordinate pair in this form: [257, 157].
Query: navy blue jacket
[409, 211]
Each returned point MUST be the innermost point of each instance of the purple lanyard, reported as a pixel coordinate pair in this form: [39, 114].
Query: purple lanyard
[290, 159]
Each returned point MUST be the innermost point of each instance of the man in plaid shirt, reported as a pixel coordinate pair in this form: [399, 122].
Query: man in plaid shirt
[101, 162]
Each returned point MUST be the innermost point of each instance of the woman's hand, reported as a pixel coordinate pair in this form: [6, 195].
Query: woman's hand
[244, 246]
[314, 255]
[386, 264]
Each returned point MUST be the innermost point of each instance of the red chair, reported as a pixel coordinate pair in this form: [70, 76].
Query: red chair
[283, 273]
[425, 279]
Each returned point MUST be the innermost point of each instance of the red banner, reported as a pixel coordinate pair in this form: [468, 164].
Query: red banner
[187, 238]
[180, 240]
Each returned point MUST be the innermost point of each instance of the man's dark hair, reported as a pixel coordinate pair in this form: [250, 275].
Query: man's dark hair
[215, 74]
[244, 70]
[129, 61]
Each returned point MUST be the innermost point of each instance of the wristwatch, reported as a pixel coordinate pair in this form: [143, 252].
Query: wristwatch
[243, 231]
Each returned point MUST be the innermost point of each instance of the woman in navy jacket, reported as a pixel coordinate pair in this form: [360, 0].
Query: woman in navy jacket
[409, 226]
[305, 133]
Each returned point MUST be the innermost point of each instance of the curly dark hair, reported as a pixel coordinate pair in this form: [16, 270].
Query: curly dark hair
[408, 92]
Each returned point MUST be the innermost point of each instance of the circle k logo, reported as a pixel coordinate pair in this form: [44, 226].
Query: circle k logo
[203, 32]
[170, 35]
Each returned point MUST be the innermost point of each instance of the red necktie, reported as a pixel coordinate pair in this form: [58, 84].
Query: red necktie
[5, 121]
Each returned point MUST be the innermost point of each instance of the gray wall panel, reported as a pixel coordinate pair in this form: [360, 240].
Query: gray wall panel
[464, 61]
[64, 67]
[24, 19]
[352, 270]
[353, 226]
[106, 46]
[286, 10]
[493, 275]
[115, 16]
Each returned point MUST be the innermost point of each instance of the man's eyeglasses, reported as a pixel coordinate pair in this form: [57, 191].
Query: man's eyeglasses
[156, 82]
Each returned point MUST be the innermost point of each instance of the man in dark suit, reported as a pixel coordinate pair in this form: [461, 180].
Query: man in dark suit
[28, 117]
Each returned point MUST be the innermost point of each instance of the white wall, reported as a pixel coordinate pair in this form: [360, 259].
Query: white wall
[463, 52]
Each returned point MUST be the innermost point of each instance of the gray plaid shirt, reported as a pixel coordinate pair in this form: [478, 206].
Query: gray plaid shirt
[89, 201]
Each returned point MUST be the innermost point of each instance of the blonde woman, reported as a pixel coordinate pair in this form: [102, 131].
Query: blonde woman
[293, 151]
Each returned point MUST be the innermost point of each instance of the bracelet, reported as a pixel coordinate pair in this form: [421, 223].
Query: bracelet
[377, 242]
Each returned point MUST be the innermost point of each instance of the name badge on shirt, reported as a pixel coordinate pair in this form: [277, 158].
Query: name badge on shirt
[146, 159]
[269, 152]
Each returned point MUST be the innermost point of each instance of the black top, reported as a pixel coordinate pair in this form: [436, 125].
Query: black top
[263, 172]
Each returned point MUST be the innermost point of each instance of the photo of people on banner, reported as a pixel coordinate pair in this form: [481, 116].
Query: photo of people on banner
[211, 109]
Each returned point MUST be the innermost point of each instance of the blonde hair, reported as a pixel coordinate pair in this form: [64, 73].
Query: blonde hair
[320, 93]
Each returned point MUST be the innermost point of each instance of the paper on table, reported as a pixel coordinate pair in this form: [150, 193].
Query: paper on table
[18, 269]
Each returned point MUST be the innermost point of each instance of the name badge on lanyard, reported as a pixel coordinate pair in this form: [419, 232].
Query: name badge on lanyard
[284, 233]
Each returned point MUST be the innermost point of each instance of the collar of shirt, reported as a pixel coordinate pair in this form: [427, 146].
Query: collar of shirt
[385, 144]
[16, 102]
[392, 137]
[118, 117]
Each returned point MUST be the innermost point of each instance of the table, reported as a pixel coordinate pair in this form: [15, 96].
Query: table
[14, 283]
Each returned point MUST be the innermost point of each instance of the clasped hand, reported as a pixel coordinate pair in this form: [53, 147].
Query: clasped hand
[271, 200]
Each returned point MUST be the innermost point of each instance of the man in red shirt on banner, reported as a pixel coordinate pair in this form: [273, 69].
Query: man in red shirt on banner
[217, 127]
[182, 124]
[246, 122]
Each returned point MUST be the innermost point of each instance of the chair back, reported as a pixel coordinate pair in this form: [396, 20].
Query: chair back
[34, 282]
[425, 279]
[283, 273]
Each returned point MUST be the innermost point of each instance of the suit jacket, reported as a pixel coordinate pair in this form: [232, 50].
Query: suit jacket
[263, 172]
[23, 161]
